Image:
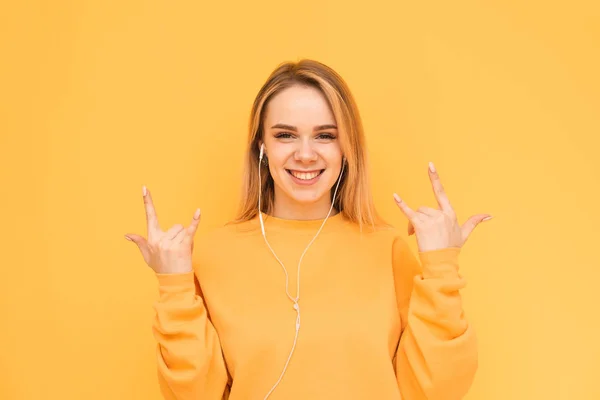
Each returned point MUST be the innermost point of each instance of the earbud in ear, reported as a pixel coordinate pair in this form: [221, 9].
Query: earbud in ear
[262, 150]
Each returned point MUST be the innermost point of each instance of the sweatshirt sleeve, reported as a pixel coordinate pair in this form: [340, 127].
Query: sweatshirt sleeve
[437, 354]
[190, 360]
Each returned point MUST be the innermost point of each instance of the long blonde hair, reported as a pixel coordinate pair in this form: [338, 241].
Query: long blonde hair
[354, 199]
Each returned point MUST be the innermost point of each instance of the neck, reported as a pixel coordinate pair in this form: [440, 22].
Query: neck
[285, 210]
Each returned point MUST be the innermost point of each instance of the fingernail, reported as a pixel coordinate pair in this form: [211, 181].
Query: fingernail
[431, 167]
[144, 191]
[487, 218]
[197, 214]
[397, 198]
[128, 238]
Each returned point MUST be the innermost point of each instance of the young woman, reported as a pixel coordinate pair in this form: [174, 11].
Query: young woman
[308, 294]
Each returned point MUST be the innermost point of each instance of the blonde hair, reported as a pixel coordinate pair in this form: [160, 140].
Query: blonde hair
[354, 199]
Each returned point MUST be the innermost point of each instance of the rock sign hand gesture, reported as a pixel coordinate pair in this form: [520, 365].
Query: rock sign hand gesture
[167, 252]
[438, 228]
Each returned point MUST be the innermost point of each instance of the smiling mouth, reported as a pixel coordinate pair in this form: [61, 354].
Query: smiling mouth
[305, 176]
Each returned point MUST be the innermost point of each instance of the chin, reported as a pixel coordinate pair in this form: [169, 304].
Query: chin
[307, 199]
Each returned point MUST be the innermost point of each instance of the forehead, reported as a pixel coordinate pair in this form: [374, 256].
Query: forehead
[299, 105]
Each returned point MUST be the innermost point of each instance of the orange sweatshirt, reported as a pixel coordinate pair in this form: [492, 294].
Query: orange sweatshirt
[376, 323]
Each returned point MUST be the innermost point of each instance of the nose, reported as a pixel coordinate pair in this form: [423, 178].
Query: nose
[305, 153]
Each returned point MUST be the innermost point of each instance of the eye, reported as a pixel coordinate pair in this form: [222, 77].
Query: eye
[326, 136]
[283, 135]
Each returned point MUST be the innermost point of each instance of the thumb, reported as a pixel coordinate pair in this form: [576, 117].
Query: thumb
[191, 230]
[471, 223]
[141, 243]
[411, 229]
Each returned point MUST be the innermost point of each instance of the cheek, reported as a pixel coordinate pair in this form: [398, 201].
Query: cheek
[278, 160]
[334, 175]
[278, 172]
[333, 156]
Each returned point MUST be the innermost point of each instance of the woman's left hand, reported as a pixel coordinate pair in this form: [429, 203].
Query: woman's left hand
[438, 228]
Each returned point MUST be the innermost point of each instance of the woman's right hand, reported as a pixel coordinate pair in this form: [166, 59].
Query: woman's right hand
[167, 252]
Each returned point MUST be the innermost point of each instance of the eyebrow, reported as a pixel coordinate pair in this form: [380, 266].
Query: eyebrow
[294, 129]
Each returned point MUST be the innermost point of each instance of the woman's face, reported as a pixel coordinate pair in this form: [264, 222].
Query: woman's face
[303, 149]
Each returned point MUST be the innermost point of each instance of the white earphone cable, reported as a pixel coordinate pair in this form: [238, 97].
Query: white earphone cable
[297, 298]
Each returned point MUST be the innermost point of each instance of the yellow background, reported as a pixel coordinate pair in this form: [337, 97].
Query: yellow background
[98, 98]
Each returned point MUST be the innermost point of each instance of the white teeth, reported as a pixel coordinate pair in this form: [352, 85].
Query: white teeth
[305, 175]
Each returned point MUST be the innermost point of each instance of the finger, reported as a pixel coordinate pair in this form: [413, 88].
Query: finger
[173, 231]
[438, 189]
[411, 229]
[141, 243]
[471, 223]
[428, 211]
[191, 230]
[180, 237]
[410, 214]
[151, 218]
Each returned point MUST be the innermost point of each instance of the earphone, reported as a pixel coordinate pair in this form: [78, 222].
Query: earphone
[297, 298]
